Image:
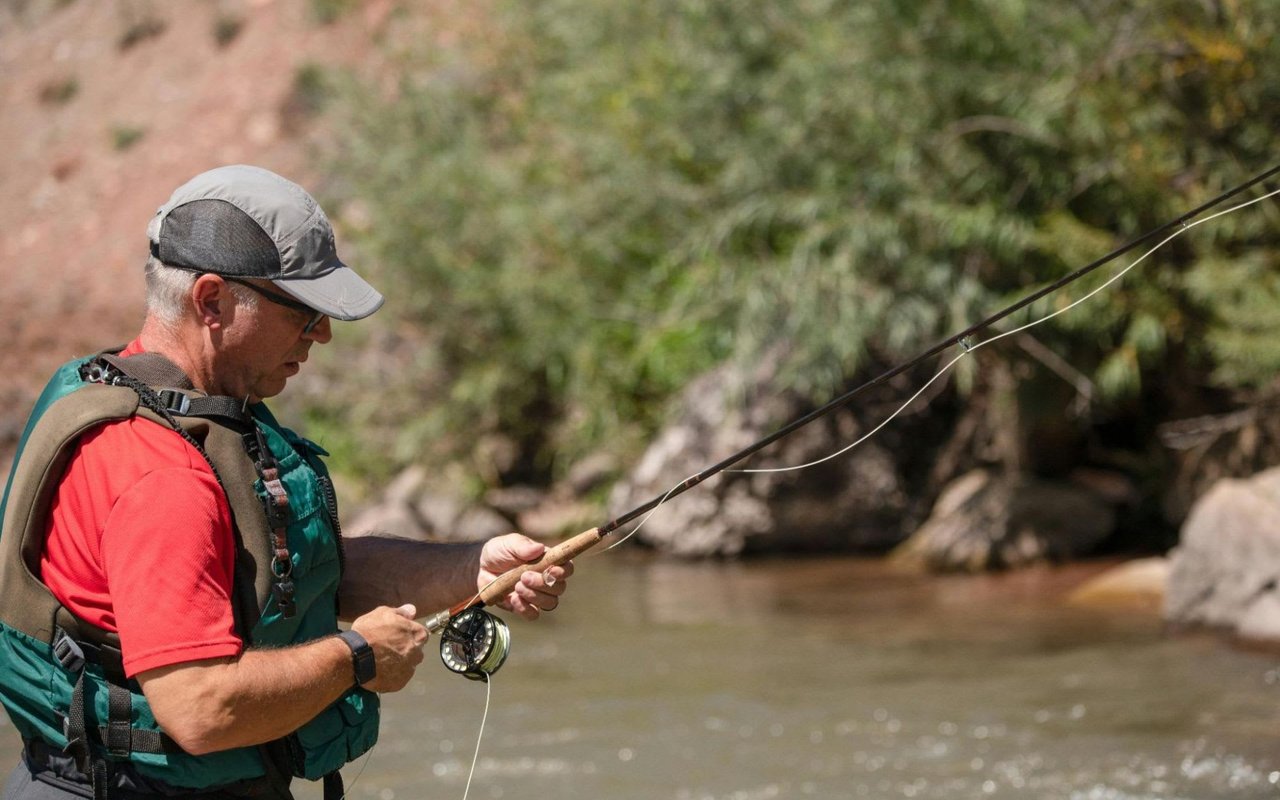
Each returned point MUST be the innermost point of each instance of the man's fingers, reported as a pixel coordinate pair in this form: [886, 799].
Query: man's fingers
[537, 590]
[557, 574]
[550, 580]
[525, 602]
[522, 606]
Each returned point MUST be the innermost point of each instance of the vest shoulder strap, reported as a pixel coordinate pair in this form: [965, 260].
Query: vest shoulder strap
[28, 605]
[216, 425]
[152, 369]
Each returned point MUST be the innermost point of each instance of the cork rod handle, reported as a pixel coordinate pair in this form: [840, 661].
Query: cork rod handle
[559, 554]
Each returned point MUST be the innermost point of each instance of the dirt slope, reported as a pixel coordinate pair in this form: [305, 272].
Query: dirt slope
[107, 107]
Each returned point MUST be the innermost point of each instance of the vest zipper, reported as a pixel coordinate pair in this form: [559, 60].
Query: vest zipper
[331, 507]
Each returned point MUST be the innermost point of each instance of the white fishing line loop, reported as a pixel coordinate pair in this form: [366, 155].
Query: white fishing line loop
[970, 348]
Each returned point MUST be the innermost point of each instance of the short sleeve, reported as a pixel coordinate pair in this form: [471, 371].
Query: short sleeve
[168, 551]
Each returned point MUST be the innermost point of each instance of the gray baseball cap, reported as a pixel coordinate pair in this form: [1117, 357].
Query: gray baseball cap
[248, 222]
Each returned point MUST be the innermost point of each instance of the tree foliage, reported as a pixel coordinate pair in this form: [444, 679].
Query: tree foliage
[603, 199]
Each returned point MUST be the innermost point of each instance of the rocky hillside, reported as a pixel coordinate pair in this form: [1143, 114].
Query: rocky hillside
[110, 105]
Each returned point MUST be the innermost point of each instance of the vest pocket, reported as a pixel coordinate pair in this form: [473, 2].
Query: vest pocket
[341, 733]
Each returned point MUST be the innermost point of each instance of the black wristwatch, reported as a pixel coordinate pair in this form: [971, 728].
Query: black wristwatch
[361, 657]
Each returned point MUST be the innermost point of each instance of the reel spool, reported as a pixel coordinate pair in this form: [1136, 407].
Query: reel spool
[475, 644]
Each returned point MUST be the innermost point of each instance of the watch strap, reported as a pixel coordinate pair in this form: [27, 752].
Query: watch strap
[363, 664]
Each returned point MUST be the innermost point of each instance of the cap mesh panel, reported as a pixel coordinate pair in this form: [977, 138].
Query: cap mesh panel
[215, 236]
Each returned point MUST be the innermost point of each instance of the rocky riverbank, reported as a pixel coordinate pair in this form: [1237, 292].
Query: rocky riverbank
[876, 498]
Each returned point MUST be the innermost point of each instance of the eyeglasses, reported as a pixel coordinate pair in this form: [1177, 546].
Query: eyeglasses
[288, 302]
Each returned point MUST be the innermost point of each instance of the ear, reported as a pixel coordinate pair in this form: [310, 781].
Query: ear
[212, 299]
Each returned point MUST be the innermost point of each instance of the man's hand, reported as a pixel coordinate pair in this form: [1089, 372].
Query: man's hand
[397, 645]
[220, 703]
[537, 591]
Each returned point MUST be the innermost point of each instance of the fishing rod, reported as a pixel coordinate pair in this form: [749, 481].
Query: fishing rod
[475, 643]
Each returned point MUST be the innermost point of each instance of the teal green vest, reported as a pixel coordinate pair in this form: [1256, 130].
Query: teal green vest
[34, 687]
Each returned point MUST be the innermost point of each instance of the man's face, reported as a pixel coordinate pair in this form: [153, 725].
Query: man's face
[264, 346]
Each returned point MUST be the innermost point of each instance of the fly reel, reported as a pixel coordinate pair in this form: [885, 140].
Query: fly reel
[475, 643]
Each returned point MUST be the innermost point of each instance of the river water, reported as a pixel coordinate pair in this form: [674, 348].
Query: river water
[837, 678]
[834, 678]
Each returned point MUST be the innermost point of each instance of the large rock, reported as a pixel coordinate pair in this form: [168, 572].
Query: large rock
[852, 502]
[985, 521]
[1211, 448]
[429, 507]
[1226, 570]
[415, 507]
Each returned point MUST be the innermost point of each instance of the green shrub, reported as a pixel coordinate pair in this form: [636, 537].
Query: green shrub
[59, 92]
[140, 23]
[226, 28]
[603, 199]
[125, 136]
[326, 12]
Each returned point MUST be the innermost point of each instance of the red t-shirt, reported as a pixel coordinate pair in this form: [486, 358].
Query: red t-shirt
[140, 541]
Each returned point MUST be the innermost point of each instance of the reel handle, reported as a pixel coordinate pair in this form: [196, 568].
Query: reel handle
[554, 556]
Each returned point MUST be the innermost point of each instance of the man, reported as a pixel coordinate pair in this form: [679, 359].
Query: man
[171, 568]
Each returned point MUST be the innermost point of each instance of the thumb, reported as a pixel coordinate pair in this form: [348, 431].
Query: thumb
[408, 611]
[522, 548]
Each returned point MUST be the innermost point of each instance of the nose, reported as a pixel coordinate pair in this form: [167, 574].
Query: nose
[321, 333]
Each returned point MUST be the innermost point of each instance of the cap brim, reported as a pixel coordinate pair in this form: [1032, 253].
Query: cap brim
[341, 293]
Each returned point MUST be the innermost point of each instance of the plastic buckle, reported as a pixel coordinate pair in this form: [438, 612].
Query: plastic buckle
[68, 652]
[175, 402]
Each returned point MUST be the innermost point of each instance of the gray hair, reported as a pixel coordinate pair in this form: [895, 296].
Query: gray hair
[169, 287]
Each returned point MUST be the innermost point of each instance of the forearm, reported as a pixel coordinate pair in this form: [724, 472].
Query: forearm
[264, 694]
[383, 570]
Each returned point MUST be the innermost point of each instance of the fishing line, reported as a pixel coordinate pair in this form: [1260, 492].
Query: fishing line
[477, 641]
[969, 349]
[652, 511]
[488, 690]
[604, 530]
[359, 772]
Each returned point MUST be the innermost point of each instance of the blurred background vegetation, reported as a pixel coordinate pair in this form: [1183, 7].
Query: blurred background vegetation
[600, 201]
